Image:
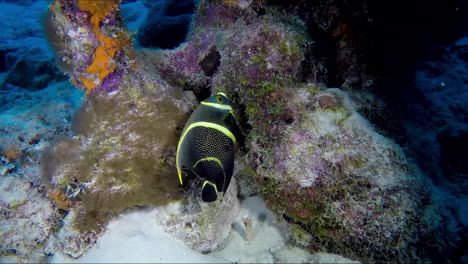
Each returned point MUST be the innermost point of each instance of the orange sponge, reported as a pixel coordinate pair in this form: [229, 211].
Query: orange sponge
[103, 63]
[98, 9]
[60, 200]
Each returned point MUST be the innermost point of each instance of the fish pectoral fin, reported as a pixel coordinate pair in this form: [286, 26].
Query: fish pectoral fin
[189, 174]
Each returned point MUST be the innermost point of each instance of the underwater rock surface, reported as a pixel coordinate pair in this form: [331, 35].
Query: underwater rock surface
[24, 207]
[36, 106]
[333, 183]
[201, 226]
[320, 164]
[122, 154]
[346, 185]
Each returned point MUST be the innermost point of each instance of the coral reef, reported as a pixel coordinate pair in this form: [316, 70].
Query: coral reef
[122, 154]
[259, 61]
[35, 106]
[94, 46]
[132, 169]
[186, 66]
[238, 3]
[320, 164]
[29, 121]
[323, 168]
[68, 239]
[123, 157]
[23, 206]
[202, 226]
[350, 188]
[337, 184]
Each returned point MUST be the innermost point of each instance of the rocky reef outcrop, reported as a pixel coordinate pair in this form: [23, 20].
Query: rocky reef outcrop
[123, 152]
[319, 163]
[337, 184]
[36, 105]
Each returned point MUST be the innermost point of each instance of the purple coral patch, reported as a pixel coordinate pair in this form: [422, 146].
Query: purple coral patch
[300, 137]
[186, 59]
[111, 82]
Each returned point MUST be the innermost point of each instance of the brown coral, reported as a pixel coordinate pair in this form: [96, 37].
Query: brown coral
[60, 200]
[12, 153]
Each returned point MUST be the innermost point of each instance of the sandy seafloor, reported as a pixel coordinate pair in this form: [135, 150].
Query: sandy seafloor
[136, 237]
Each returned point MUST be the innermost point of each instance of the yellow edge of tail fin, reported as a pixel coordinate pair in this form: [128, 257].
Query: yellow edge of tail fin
[210, 183]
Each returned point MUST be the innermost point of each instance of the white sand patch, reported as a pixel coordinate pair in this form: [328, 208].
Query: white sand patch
[255, 237]
[136, 237]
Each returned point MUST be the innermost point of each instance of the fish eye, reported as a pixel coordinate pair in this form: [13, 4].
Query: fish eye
[219, 99]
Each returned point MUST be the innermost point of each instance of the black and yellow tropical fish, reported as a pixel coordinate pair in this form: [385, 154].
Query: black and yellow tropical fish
[206, 147]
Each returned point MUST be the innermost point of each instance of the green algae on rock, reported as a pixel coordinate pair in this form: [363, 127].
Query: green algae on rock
[124, 150]
[345, 184]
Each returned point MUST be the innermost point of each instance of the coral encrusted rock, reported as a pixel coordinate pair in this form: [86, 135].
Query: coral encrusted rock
[349, 187]
[202, 226]
[321, 165]
[122, 153]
